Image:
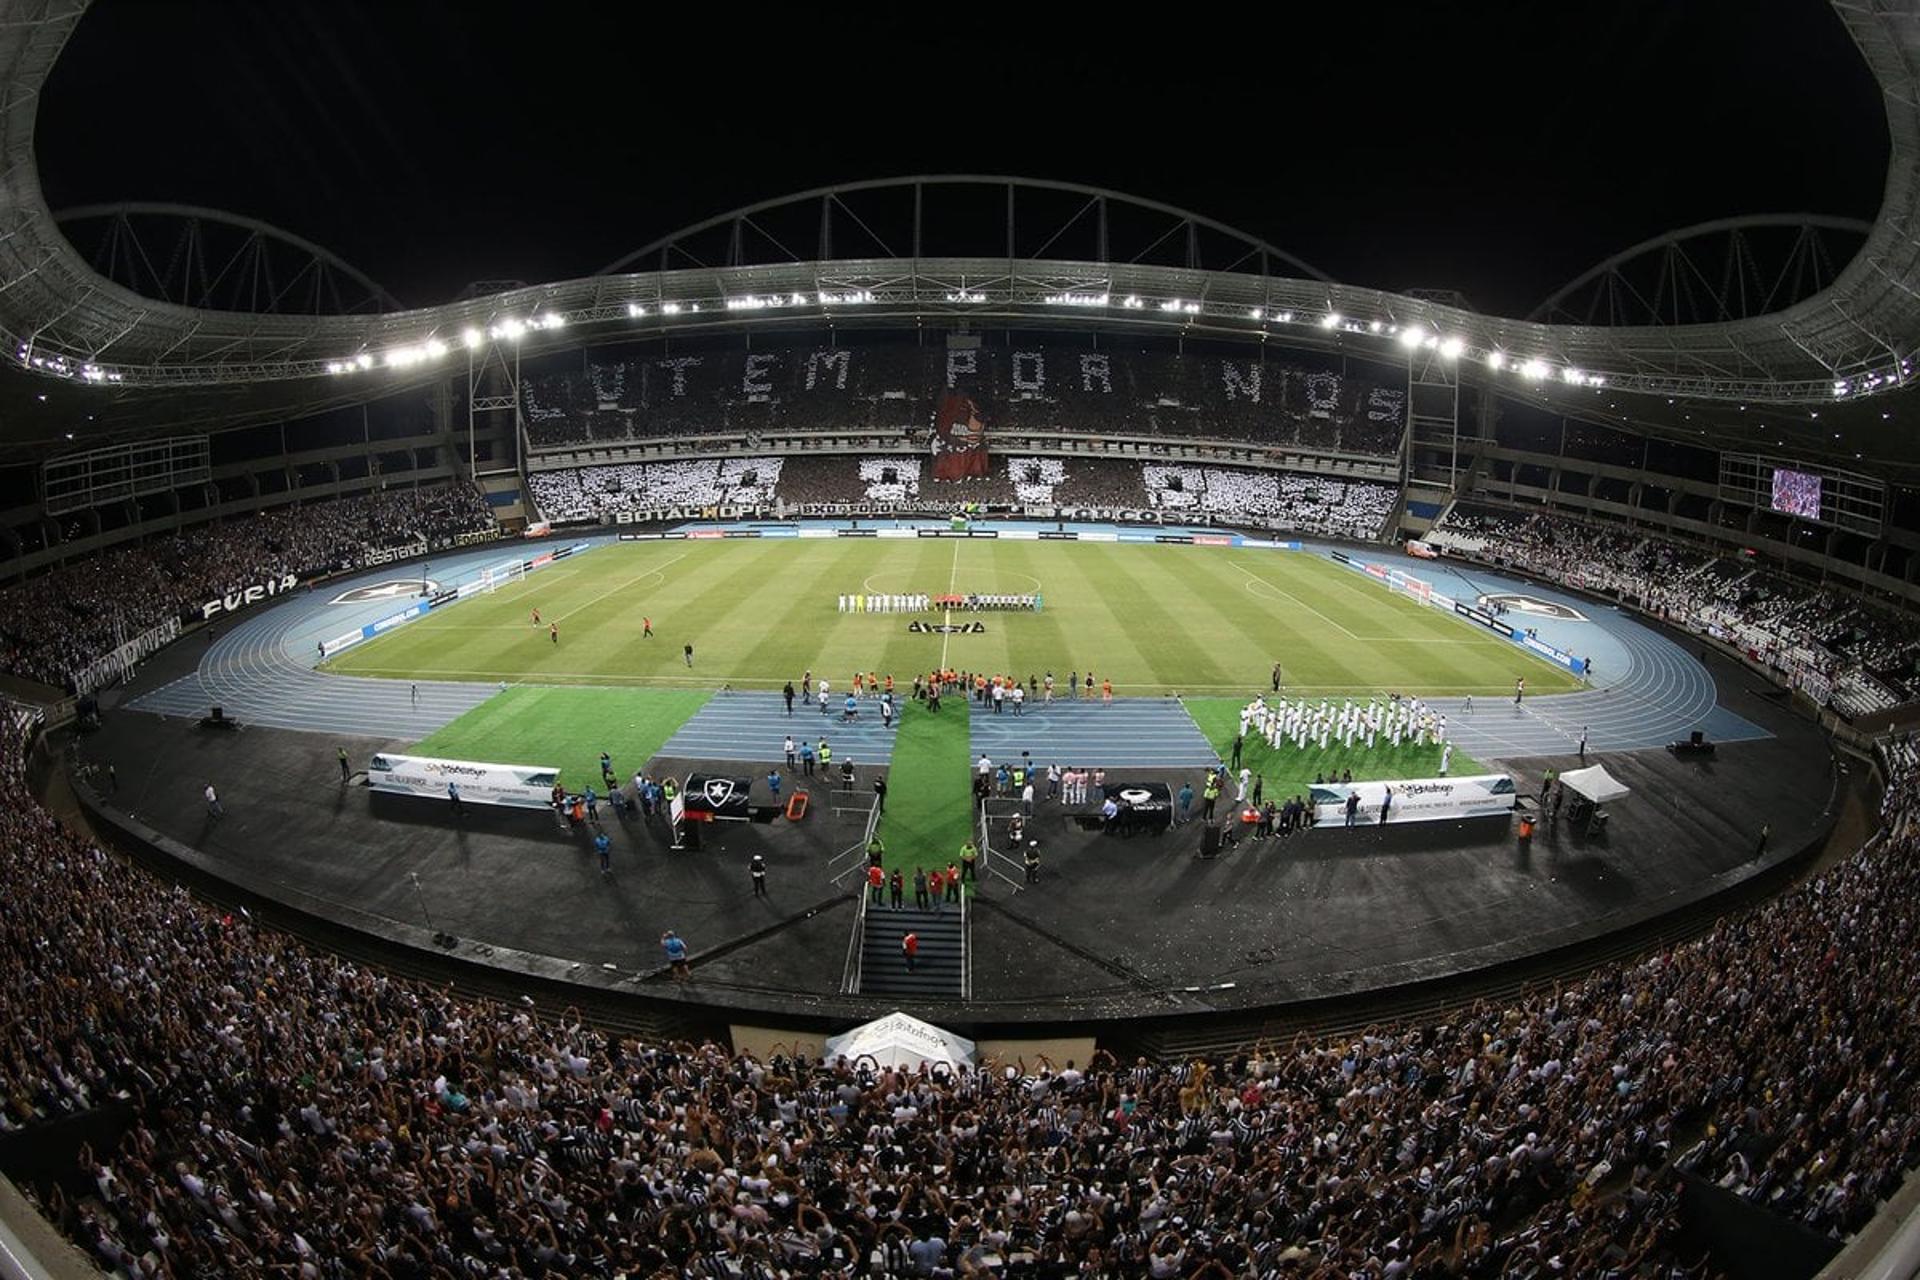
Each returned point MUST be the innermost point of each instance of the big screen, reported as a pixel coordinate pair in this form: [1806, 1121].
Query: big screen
[1795, 493]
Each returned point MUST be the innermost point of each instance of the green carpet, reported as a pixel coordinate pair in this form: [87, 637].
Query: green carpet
[929, 792]
[568, 727]
[1289, 771]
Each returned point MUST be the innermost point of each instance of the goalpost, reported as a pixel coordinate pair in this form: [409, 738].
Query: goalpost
[1406, 584]
[504, 574]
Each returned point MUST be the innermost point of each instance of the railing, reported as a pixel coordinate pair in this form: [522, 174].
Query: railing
[856, 947]
[966, 945]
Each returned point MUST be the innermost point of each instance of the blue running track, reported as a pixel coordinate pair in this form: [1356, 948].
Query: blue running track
[737, 725]
[1128, 733]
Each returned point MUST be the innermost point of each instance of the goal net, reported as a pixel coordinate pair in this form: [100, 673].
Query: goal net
[1406, 584]
[493, 577]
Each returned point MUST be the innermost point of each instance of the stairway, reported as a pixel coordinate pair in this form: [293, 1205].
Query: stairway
[940, 969]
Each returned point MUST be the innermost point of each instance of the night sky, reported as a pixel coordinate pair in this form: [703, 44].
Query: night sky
[1496, 148]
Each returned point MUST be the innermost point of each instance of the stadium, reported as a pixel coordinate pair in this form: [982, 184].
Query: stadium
[950, 724]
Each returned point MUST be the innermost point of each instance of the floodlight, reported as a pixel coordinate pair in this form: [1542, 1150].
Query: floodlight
[1450, 348]
[1535, 368]
[1410, 337]
[1329, 320]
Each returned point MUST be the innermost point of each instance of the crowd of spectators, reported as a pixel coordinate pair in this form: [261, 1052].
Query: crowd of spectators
[297, 1113]
[1293, 501]
[897, 387]
[589, 493]
[55, 624]
[1861, 655]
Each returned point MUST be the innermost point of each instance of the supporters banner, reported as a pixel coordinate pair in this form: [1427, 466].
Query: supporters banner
[1415, 799]
[959, 439]
[233, 601]
[518, 786]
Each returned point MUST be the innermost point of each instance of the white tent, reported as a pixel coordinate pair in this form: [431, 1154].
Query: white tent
[1595, 783]
[901, 1040]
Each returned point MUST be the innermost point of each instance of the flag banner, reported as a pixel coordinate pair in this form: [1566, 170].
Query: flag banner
[959, 439]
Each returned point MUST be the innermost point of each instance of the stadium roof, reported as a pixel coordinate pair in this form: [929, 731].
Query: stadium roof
[61, 319]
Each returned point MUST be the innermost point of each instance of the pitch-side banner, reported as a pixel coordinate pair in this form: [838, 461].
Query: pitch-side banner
[1416, 799]
[521, 786]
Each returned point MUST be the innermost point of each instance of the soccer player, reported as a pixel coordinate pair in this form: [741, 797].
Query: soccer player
[553, 632]
[536, 617]
[646, 628]
[689, 655]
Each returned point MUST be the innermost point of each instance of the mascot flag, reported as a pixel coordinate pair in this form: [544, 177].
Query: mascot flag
[959, 439]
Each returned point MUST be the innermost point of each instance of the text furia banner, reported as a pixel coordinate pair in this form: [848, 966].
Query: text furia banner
[521, 786]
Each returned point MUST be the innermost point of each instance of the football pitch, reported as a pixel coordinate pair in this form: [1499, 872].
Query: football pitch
[1153, 619]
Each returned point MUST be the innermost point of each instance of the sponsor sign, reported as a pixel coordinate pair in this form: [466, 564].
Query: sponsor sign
[948, 628]
[1482, 617]
[1559, 657]
[408, 614]
[1060, 535]
[645, 537]
[517, 786]
[715, 797]
[1340, 557]
[330, 647]
[1533, 605]
[391, 589]
[1415, 799]
[1183, 538]
[856, 533]
[233, 601]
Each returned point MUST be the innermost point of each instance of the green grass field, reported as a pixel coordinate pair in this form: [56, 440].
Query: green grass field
[1153, 619]
[568, 728]
[929, 789]
[1289, 771]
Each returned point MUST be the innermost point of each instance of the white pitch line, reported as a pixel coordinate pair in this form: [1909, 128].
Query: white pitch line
[1296, 599]
[953, 576]
[659, 568]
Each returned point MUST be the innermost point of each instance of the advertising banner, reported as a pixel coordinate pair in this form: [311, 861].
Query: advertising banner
[1415, 800]
[519, 786]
